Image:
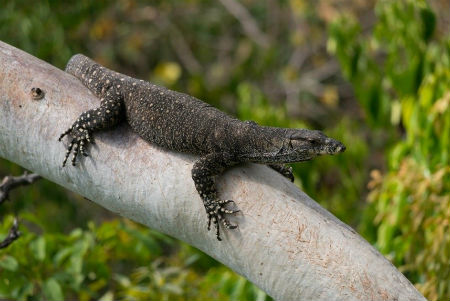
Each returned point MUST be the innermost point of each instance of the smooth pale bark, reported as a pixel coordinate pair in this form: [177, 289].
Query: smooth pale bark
[286, 243]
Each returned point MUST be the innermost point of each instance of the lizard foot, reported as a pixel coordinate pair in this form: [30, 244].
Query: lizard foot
[80, 139]
[216, 213]
[284, 170]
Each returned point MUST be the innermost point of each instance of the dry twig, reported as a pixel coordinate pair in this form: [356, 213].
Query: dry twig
[13, 234]
[247, 21]
[9, 183]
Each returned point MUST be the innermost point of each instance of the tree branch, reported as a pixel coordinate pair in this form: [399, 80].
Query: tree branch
[13, 234]
[286, 243]
[9, 183]
[247, 21]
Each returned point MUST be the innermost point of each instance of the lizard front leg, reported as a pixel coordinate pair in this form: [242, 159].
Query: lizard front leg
[106, 116]
[203, 173]
[284, 170]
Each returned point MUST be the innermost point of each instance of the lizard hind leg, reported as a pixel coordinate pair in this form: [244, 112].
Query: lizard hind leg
[203, 173]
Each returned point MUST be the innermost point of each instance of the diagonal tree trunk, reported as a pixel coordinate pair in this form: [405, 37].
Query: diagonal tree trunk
[286, 243]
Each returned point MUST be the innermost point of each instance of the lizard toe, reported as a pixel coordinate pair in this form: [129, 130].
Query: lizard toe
[80, 139]
[68, 131]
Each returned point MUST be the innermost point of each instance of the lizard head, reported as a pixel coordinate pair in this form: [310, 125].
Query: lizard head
[313, 142]
[301, 145]
[294, 145]
[284, 145]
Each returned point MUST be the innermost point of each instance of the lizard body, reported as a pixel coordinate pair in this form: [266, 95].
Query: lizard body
[183, 123]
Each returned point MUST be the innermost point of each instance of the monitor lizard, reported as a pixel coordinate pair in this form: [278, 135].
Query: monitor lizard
[183, 123]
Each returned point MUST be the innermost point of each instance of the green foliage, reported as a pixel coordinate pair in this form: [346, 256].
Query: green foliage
[27, 26]
[411, 76]
[117, 260]
[394, 55]
[413, 213]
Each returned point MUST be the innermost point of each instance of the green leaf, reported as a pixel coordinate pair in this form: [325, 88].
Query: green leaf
[260, 295]
[38, 248]
[76, 233]
[25, 291]
[123, 280]
[237, 291]
[52, 290]
[429, 23]
[149, 241]
[62, 255]
[9, 263]
[108, 296]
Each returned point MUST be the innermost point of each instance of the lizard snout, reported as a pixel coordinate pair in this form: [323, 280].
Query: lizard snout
[333, 146]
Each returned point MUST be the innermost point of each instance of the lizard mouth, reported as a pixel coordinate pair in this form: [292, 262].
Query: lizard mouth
[340, 149]
[335, 147]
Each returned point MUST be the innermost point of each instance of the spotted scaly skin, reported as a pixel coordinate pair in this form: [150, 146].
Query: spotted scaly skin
[184, 123]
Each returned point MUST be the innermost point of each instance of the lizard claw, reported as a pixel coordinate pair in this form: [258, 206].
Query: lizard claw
[81, 138]
[68, 131]
[289, 174]
[216, 213]
[284, 170]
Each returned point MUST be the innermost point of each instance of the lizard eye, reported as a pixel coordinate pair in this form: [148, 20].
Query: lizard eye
[312, 140]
